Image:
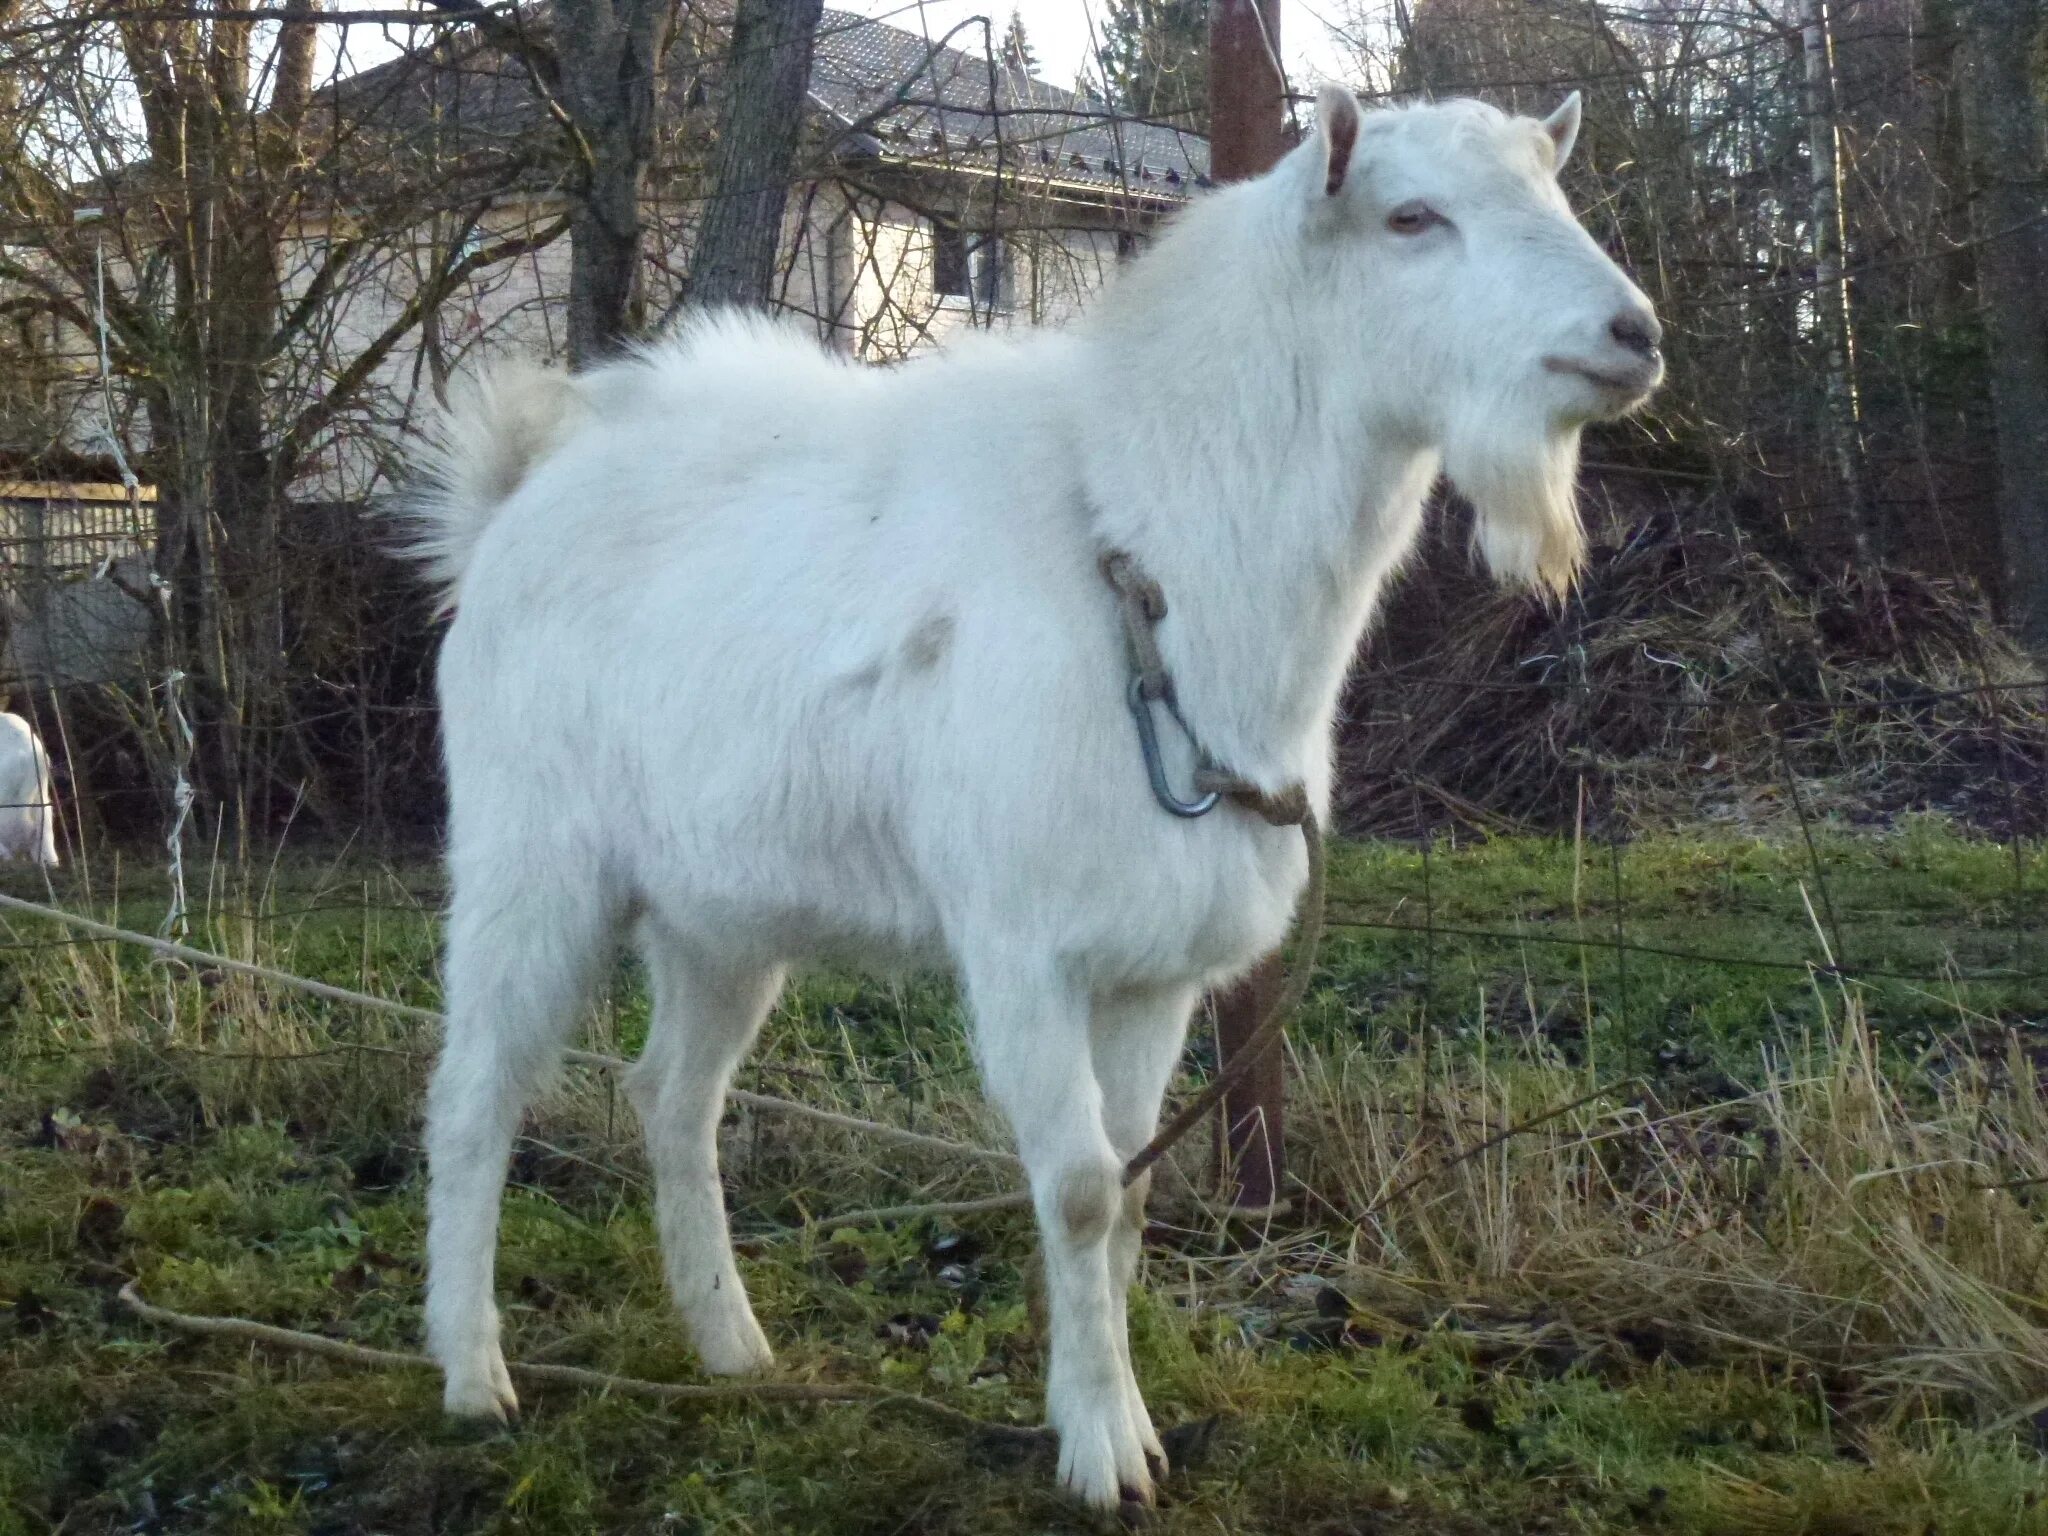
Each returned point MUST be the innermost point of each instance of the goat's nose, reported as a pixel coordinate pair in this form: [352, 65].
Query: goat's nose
[1637, 330]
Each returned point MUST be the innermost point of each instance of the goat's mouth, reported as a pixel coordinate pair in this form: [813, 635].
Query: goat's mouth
[1622, 386]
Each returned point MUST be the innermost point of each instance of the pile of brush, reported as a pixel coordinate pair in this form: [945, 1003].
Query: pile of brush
[1689, 679]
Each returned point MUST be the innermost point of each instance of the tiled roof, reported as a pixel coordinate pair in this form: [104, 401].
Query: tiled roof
[457, 96]
[953, 107]
[466, 98]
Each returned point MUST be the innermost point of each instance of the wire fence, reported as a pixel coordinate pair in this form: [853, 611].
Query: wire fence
[1825, 938]
[2014, 781]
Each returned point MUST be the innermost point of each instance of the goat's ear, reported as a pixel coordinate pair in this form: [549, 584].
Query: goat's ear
[1337, 119]
[1563, 128]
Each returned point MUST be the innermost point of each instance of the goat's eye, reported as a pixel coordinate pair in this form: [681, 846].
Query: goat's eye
[1413, 219]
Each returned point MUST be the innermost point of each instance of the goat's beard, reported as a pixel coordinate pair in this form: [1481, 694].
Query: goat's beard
[1521, 478]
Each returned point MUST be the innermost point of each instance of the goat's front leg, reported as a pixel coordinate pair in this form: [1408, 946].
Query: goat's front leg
[1031, 1032]
[1136, 1038]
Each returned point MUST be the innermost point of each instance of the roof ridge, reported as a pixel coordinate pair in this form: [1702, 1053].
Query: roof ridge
[865, 69]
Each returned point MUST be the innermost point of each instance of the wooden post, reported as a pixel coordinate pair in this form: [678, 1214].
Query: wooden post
[1247, 98]
[1248, 135]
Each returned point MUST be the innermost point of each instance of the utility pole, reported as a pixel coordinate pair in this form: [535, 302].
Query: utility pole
[1247, 97]
[1248, 135]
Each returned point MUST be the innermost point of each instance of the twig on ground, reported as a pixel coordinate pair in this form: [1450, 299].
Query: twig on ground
[790, 1392]
[1015, 1200]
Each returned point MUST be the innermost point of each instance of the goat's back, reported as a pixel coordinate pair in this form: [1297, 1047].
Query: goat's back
[759, 593]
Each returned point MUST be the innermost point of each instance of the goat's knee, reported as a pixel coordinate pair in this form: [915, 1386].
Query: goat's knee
[1089, 1199]
[1127, 1237]
[642, 1083]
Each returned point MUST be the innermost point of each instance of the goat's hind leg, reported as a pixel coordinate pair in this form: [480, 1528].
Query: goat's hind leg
[521, 955]
[706, 1014]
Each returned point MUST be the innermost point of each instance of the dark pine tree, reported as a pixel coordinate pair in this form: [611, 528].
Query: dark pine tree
[1155, 60]
[1017, 50]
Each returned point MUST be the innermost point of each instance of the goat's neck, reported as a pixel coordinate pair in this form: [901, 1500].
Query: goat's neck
[1270, 508]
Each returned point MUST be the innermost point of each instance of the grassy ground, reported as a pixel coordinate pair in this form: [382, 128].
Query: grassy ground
[1584, 1241]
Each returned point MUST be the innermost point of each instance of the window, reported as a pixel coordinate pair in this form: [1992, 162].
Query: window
[988, 271]
[967, 267]
[951, 263]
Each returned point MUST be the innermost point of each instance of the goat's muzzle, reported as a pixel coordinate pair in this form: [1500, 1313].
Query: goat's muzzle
[1619, 383]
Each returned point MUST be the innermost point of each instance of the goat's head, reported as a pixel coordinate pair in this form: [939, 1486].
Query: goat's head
[1501, 327]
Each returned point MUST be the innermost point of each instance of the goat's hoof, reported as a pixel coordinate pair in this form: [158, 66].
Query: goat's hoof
[1134, 1514]
[1156, 1463]
[482, 1399]
[735, 1347]
[1102, 1473]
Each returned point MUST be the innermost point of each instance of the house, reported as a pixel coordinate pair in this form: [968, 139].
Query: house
[937, 191]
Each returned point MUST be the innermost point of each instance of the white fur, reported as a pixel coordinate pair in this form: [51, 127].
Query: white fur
[508, 421]
[783, 661]
[28, 804]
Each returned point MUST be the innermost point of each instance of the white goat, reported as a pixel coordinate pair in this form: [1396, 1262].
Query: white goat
[783, 660]
[28, 803]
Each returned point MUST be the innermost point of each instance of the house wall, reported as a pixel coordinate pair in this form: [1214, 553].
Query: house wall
[858, 267]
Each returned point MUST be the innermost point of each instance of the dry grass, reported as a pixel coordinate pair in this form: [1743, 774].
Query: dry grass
[1692, 680]
[1850, 1215]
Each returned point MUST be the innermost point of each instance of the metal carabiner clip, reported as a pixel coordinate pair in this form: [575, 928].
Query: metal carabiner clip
[1155, 766]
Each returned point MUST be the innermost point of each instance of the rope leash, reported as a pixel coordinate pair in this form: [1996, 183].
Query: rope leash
[1141, 603]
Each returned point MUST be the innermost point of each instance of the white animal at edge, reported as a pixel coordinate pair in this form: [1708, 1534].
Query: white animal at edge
[28, 803]
[775, 660]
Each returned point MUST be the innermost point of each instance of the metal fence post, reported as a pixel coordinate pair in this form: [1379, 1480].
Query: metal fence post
[1247, 135]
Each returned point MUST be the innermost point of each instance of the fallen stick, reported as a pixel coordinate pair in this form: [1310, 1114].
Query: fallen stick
[581, 1377]
[1015, 1200]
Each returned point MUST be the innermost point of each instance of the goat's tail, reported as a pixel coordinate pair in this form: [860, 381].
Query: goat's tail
[478, 449]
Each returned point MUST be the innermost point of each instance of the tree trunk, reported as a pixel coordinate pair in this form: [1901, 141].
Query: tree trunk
[10, 83]
[610, 53]
[2010, 221]
[760, 120]
[1841, 399]
[227, 180]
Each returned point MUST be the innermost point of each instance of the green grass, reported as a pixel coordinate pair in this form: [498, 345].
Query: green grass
[1919, 901]
[1782, 1325]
